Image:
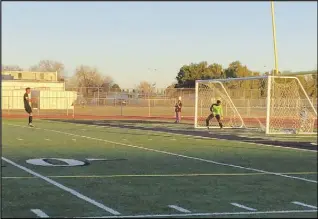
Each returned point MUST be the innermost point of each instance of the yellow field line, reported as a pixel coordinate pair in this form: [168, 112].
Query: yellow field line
[157, 175]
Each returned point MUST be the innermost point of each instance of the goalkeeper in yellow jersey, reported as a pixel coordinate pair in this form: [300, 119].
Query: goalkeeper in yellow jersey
[217, 112]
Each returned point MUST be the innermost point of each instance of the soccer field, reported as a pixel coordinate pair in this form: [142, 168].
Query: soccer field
[153, 169]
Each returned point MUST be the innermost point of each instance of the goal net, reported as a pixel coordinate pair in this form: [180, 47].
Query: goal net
[273, 104]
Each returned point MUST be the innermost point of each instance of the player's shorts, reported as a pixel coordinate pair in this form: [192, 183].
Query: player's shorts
[28, 109]
[218, 117]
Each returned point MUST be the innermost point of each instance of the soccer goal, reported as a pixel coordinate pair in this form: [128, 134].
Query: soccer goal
[273, 104]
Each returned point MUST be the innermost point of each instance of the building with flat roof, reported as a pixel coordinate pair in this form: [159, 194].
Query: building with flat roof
[30, 75]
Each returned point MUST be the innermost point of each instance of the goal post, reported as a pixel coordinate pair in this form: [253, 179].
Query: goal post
[273, 104]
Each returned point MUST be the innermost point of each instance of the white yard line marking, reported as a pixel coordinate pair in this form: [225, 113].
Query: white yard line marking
[243, 206]
[146, 175]
[305, 205]
[207, 214]
[96, 159]
[179, 209]
[39, 213]
[73, 192]
[174, 154]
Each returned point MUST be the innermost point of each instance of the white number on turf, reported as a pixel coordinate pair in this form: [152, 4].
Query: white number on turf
[43, 162]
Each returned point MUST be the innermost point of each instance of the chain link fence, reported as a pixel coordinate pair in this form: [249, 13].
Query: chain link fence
[96, 101]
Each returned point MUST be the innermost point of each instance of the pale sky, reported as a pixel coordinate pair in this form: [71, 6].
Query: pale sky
[127, 40]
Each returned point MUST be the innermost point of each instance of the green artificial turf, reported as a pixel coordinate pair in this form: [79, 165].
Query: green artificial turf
[146, 171]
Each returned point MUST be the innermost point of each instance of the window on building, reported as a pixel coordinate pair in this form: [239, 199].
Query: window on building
[42, 76]
[20, 75]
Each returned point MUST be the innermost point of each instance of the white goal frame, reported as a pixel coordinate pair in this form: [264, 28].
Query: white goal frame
[268, 99]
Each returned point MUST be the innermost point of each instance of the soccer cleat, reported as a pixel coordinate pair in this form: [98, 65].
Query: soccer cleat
[31, 125]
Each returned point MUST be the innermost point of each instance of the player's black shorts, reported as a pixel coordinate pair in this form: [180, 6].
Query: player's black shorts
[218, 117]
[28, 109]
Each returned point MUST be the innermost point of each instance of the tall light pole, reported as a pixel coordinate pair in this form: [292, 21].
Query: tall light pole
[274, 38]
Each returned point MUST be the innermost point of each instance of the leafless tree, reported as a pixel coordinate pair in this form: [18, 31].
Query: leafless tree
[11, 68]
[50, 66]
[91, 79]
[146, 88]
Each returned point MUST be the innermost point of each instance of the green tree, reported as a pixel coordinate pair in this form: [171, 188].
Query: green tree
[237, 70]
[232, 70]
[115, 87]
[213, 71]
[188, 74]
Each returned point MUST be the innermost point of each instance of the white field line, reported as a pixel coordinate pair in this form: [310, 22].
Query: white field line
[96, 159]
[179, 209]
[201, 137]
[305, 205]
[174, 154]
[208, 214]
[243, 206]
[73, 192]
[19, 139]
[39, 213]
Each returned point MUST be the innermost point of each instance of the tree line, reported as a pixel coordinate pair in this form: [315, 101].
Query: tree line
[87, 76]
[188, 74]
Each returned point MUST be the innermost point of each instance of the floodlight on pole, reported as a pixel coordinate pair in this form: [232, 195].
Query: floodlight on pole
[274, 37]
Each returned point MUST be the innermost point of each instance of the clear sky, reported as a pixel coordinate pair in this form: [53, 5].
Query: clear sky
[126, 39]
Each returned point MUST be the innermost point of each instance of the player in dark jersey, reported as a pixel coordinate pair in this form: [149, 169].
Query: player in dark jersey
[178, 107]
[217, 112]
[27, 105]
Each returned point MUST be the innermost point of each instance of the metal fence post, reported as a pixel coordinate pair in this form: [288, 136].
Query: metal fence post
[201, 108]
[8, 105]
[149, 112]
[73, 104]
[121, 108]
[38, 100]
[248, 107]
[98, 96]
[66, 106]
